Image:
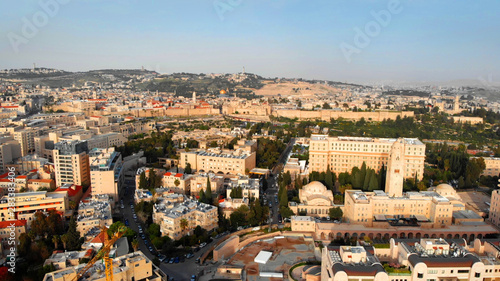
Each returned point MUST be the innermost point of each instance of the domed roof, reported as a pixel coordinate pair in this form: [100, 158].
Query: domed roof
[315, 186]
[444, 187]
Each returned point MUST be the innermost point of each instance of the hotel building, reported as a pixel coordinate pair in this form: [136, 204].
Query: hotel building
[341, 154]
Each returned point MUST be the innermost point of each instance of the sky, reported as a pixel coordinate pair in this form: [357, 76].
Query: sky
[339, 40]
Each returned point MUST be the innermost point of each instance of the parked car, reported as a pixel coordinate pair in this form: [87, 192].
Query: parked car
[189, 255]
[171, 260]
[197, 260]
[193, 277]
[203, 245]
[162, 257]
[176, 260]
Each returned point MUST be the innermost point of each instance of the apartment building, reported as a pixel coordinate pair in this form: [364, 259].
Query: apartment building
[71, 163]
[26, 139]
[94, 213]
[199, 182]
[219, 161]
[177, 182]
[106, 172]
[250, 188]
[28, 203]
[170, 216]
[341, 154]
[10, 149]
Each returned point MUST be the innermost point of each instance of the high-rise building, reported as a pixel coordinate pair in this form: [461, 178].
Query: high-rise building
[71, 163]
[106, 174]
[341, 154]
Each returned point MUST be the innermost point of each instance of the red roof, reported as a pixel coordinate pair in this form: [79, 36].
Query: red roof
[4, 175]
[178, 175]
[167, 174]
[4, 224]
[21, 177]
[34, 171]
[99, 238]
[71, 192]
[10, 106]
[5, 180]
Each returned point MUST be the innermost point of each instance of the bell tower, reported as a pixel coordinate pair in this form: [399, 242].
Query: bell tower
[395, 170]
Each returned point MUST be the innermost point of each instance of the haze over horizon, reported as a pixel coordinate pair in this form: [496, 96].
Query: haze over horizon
[420, 41]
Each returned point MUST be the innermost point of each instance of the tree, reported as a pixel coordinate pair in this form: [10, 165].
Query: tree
[54, 223]
[184, 225]
[74, 242]
[39, 224]
[203, 198]
[129, 233]
[24, 244]
[187, 169]
[326, 106]
[143, 183]
[64, 240]
[473, 170]
[208, 192]
[154, 230]
[373, 183]
[135, 244]
[336, 213]
[177, 182]
[55, 240]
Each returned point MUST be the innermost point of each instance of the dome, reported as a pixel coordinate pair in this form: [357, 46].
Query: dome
[446, 190]
[444, 187]
[315, 187]
[222, 92]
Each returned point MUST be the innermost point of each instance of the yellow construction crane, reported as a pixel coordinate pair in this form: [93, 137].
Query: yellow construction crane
[104, 254]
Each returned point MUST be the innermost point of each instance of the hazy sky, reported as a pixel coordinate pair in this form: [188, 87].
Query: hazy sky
[411, 41]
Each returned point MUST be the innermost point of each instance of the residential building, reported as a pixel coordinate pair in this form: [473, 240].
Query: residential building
[250, 188]
[71, 163]
[106, 173]
[94, 213]
[177, 182]
[494, 216]
[199, 182]
[341, 154]
[171, 216]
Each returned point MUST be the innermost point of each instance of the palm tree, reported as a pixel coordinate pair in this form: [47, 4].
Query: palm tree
[184, 224]
[135, 244]
[55, 240]
[64, 240]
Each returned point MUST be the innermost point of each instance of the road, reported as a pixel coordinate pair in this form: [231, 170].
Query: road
[179, 271]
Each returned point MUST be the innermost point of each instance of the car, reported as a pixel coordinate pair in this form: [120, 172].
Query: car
[127, 223]
[176, 260]
[162, 257]
[193, 277]
[270, 205]
[196, 249]
[122, 207]
[197, 260]
[171, 260]
[328, 218]
[203, 245]
[189, 255]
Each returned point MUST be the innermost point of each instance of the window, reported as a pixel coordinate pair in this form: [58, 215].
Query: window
[463, 271]
[420, 275]
[477, 275]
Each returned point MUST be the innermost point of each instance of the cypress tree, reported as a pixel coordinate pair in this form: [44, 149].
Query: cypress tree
[208, 192]
[73, 236]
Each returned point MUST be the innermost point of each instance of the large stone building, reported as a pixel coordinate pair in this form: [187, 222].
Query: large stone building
[71, 163]
[94, 214]
[427, 208]
[315, 200]
[170, 216]
[219, 161]
[341, 154]
[106, 172]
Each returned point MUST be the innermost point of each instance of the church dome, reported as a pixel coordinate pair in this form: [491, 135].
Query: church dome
[446, 190]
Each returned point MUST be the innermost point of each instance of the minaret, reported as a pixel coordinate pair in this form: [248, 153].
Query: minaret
[456, 105]
[194, 97]
[395, 170]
